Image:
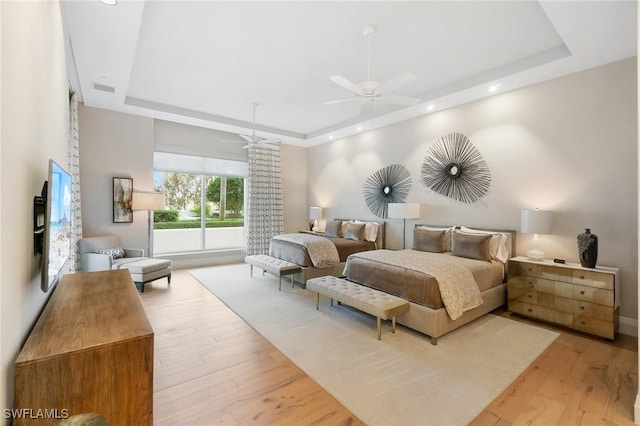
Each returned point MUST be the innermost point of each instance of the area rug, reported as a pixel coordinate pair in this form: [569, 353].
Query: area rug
[400, 380]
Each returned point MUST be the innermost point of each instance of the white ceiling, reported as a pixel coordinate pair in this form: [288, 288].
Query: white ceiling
[205, 63]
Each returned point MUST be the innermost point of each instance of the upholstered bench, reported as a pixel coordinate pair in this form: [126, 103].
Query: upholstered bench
[145, 269]
[374, 302]
[273, 265]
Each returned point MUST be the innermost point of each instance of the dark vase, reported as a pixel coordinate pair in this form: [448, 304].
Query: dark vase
[588, 249]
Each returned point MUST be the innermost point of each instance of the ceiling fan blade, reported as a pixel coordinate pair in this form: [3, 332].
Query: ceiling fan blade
[396, 83]
[341, 81]
[267, 145]
[367, 108]
[399, 100]
[247, 138]
[340, 101]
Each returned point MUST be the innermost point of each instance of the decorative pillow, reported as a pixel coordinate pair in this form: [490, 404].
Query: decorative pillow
[355, 231]
[428, 240]
[446, 241]
[474, 246]
[370, 230]
[498, 243]
[333, 228]
[115, 253]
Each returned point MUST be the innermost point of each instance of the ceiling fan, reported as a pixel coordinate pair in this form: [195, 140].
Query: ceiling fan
[369, 91]
[253, 139]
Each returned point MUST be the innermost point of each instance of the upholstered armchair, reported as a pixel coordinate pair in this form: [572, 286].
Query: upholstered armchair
[105, 253]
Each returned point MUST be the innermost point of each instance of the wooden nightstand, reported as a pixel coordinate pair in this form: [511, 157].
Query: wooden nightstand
[569, 295]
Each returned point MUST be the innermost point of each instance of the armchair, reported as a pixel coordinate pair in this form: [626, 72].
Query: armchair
[95, 255]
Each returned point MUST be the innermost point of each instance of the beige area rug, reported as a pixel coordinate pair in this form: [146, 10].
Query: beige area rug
[400, 380]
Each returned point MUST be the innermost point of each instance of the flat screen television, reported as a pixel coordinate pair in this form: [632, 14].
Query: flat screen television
[56, 226]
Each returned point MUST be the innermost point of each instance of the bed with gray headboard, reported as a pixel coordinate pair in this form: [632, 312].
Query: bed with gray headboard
[451, 276]
[347, 236]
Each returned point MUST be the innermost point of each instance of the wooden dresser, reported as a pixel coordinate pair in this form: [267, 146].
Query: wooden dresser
[569, 295]
[91, 351]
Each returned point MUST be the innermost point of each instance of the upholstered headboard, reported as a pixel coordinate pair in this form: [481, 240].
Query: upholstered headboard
[380, 237]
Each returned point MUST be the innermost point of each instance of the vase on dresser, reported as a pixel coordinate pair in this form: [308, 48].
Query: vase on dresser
[588, 249]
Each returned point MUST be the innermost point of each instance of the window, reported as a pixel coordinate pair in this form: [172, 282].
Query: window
[204, 200]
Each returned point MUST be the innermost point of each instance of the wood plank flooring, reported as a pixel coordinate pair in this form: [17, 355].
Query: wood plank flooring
[212, 368]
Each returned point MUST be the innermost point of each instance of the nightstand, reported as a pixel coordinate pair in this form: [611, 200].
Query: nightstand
[583, 299]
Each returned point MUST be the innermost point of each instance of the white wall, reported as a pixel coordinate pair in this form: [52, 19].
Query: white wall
[294, 188]
[34, 128]
[567, 145]
[113, 144]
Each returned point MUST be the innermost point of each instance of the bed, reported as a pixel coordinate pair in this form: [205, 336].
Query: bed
[342, 237]
[443, 296]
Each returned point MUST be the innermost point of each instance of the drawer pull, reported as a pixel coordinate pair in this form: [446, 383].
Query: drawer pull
[582, 277]
[582, 308]
[530, 296]
[582, 292]
[529, 310]
[582, 323]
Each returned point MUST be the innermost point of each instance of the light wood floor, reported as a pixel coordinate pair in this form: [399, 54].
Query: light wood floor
[212, 368]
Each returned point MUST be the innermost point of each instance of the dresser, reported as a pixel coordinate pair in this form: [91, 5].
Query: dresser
[568, 295]
[91, 351]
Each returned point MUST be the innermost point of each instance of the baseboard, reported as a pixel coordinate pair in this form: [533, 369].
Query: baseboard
[628, 326]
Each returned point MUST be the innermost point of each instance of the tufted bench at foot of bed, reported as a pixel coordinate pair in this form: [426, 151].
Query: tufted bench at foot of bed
[273, 265]
[374, 302]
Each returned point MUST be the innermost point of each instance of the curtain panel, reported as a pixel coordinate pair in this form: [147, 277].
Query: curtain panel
[264, 218]
[73, 166]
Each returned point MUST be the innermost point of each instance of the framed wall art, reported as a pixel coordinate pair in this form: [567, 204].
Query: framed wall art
[122, 198]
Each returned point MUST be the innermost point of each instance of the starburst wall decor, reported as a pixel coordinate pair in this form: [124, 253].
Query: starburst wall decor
[390, 184]
[455, 168]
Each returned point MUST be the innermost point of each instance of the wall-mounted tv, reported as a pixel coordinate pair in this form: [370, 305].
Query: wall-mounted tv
[53, 228]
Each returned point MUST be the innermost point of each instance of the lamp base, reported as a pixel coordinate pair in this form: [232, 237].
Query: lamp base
[535, 254]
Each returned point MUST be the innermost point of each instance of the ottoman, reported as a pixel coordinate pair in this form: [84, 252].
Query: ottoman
[147, 269]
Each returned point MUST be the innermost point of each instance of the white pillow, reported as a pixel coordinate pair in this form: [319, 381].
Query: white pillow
[447, 235]
[497, 246]
[370, 230]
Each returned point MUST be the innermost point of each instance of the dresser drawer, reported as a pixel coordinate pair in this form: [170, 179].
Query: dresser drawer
[593, 295]
[555, 274]
[599, 328]
[586, 310]
[533, 311]
[593, 279]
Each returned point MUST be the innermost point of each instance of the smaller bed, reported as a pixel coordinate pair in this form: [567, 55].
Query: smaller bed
[326, 254]
[473, 274]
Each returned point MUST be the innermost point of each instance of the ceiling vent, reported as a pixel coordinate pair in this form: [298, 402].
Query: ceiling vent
[104, 88]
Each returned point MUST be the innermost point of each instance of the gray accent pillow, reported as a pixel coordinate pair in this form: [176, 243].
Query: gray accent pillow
[354, 231]
[115, 253]
[333, 228]
[471, 246]
[428, 240]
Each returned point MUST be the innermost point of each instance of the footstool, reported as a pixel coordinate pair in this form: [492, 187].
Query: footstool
[374, 302]
[273, 265]
[148, 269]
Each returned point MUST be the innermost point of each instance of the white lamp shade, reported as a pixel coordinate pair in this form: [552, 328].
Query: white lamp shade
[403, 210]
[149, 201]
[315, 212]
[535, 222]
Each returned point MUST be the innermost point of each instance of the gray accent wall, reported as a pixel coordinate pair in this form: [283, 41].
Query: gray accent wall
[568, 145]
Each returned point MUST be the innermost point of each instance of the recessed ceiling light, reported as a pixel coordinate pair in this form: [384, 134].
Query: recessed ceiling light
[494, 87]
[431, 107]
[331, 137]
[359, 128]
[109, 2]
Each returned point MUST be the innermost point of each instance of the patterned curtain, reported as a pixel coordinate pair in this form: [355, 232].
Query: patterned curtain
[264, 218]
[74, 170]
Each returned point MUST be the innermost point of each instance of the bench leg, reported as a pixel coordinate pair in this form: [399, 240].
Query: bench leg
[332, 302]
[279, 282]
[317, 301]
[379, 323]
[393, 324]
[250, 271]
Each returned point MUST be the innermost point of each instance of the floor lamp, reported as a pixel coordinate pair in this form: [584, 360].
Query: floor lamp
[404, 211]
[149, 201]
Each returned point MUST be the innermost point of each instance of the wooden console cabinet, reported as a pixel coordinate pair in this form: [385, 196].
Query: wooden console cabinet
[91, 351]
[564, 294]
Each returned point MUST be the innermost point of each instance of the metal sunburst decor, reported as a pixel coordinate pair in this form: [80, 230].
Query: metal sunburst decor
[455, 168]
[390, 184]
